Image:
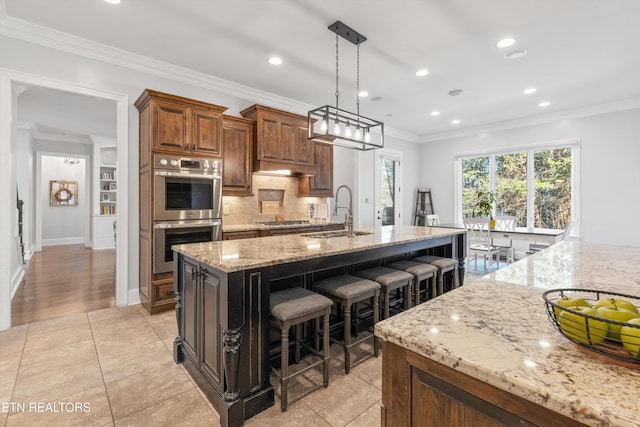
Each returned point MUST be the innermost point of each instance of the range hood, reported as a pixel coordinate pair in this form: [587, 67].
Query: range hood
[280, 142]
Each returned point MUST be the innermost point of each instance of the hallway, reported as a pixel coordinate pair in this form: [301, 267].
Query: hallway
[64, 280]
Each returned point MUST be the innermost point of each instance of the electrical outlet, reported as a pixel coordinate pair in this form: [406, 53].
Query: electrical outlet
[225, 210]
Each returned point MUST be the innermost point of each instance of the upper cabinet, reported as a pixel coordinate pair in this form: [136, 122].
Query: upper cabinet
[237, 141]
[180, 125]
[320, 184]
[281, 141]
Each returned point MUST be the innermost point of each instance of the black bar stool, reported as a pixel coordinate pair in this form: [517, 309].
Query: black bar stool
[292, 307]
[421, 272]
[347, 291]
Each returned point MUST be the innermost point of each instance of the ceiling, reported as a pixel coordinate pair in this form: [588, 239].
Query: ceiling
[579, 52]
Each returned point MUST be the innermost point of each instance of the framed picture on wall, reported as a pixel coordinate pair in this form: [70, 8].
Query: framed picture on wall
[63, 193]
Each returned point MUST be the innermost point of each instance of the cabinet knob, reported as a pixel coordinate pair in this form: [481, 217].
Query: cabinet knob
[171, 291]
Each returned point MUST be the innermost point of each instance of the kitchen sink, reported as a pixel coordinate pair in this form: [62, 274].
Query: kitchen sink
[339, 233]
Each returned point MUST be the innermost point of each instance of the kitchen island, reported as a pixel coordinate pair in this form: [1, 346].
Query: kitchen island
[488, 354]
[222, 300]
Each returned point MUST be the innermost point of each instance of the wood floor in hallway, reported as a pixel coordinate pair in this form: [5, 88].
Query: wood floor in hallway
[64, 280]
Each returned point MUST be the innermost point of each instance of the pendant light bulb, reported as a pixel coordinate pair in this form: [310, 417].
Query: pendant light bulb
[347, 131]
[367, 136]
[336, 129]
[323, 126]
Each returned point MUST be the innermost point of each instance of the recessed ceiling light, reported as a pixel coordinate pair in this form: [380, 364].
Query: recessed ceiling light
[544, 104]
[515, 54]
[422, 72]
[435, 113]
[455, 121]
[363, 94]
[455, 92]
[112, 1]
[376, 98]
[506, 42]
[529, 90]
[274, 60]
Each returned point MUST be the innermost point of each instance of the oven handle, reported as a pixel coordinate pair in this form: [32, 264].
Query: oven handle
[165, 225]
[187, 175]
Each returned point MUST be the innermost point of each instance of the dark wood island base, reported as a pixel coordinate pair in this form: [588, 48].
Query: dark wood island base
[223, 311]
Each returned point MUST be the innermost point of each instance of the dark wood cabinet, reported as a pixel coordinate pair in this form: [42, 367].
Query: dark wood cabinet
[237, 140]
[321, 183]
[419, 391]
[182, 126]
[235, 235]
[280, 140]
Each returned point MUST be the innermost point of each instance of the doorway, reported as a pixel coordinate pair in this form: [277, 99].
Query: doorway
[388, 198]
[10, 84]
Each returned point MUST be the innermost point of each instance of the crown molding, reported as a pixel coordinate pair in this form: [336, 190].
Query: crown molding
[592, 110]
[44, 36]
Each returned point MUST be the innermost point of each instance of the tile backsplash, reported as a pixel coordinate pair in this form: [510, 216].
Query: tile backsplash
[247, 210]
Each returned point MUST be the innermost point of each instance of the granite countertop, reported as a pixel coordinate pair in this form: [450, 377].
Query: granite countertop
[496, 329]
[237, 255]
[258, 226]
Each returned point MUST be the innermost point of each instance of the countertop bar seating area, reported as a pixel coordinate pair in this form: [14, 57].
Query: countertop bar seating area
[223, 291]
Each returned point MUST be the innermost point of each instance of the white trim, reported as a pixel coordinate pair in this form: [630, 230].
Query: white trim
[16, 279]
[396, 156]
[592, 110]
[133, 296]
[44, 36]
[63, 241]
[7, 79]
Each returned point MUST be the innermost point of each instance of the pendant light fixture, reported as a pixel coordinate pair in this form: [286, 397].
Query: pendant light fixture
[340, 127]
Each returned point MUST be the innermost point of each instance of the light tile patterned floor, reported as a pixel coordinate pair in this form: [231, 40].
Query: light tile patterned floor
[119, 360]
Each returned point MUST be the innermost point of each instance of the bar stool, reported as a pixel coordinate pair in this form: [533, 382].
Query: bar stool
[390, 280]
[292, 307]
[444, 265]
[349, 290]
[421, 272]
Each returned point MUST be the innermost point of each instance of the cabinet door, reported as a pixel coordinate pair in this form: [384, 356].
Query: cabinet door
[211, 353]
[288, 141]
[190, 309]
[268, 148]
[305, 146]
[320, 184]
[237, 137]
[170, 127]
[207, 132]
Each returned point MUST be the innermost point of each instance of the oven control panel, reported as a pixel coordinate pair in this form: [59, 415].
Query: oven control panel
[186, 164]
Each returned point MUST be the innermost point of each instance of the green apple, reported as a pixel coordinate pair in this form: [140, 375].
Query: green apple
[615, 302]
[569, 302]
[575, 326]
[630, 337]
[619, 315]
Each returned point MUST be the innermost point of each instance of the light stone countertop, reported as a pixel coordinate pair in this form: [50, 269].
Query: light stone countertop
[243, 254]
[496, 329]
[256, 226]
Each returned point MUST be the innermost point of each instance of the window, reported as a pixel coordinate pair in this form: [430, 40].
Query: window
[536, 185]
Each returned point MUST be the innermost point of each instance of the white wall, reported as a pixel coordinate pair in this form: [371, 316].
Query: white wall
[63, 224]
[610, 176]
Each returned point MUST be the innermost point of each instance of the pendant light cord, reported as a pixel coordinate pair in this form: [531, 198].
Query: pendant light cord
[358, 80]
[337, 91]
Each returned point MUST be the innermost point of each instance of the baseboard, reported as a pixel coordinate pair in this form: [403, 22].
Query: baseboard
[63, 241]
[16, 279]
[133, 297]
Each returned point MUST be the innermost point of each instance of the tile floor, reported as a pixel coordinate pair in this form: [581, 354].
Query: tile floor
[119, 362]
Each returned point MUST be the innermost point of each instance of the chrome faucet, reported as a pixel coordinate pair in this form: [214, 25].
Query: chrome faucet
[349, 216]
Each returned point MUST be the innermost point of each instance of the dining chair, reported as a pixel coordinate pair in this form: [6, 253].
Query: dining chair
[504, 223]
[479, 241]
[432, 220]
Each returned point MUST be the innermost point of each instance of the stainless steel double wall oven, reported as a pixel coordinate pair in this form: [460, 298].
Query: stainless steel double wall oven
[187, 203]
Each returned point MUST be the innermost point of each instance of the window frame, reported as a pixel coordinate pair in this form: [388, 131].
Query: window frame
[572, 143]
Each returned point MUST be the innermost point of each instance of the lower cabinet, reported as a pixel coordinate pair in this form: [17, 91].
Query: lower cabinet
[200, 332]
